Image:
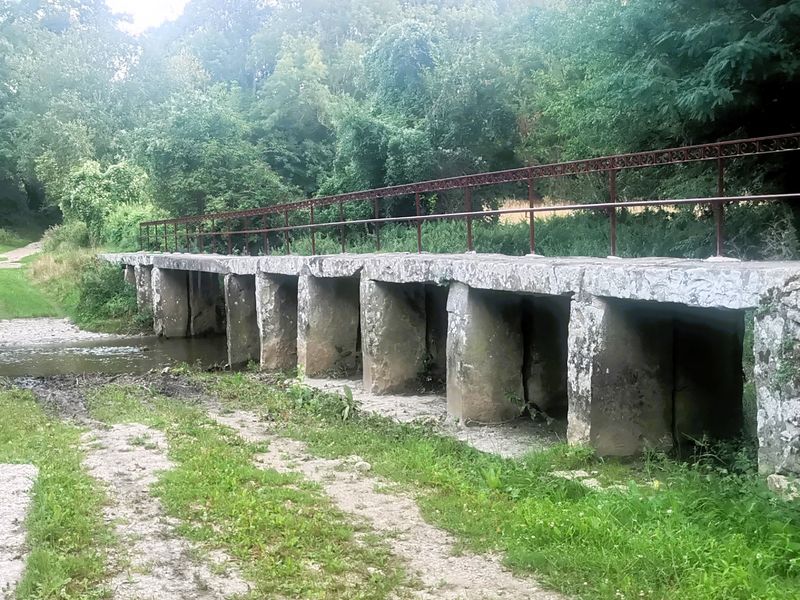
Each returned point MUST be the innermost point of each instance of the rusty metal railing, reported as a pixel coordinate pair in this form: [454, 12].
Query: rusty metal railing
[216, 231]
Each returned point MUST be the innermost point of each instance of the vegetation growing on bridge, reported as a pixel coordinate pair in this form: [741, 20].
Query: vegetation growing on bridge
[249, 103]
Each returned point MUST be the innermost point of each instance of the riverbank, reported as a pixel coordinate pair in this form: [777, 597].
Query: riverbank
[309, 496]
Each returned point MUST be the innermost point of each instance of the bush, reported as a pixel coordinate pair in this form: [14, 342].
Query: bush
[69, 236]
[104, 296]
[120, 230]
[92, 292]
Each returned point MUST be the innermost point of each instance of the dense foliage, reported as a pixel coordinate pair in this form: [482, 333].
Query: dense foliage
[243, 103]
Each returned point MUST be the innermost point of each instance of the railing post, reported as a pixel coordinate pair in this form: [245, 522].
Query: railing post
[342, 228]
[286, 239]
[230, 244]
[166, 246]
[147, 236]
[175, 233]
[612, 181]
[531, 215]
[265, 234]
[719, 207]
[419, 225]
[213, 237]
[468, 209]
[313, 232]
[377, 205]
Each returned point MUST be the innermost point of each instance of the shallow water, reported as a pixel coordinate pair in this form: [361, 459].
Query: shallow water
[135, 355]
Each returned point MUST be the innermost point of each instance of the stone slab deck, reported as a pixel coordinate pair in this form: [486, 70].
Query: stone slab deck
[702, 283]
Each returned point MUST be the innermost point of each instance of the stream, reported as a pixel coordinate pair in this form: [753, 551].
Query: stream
[49, 347]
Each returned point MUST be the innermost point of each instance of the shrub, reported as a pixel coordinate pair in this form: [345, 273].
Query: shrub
[103, 295]
[69, 236]
[92, 292]
[120, 229]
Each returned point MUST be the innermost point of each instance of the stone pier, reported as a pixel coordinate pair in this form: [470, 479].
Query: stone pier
[619, 371]
[393, 319]
[244, 344]
[484, 356]
[170, 302]
[276, 307]
[777, 378]
[634, 353]
[328, 330]
[143, 274]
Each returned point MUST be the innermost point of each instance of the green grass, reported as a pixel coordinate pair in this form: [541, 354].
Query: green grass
[19, 298]
[679, 530]
[66, 534]
[289, 539]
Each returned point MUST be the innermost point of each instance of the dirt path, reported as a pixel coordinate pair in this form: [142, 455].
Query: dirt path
[154, 562]
[428, 550]
[13, 257]
[16, 485]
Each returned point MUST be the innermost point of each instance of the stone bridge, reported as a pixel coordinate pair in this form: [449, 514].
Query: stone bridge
[633, 353]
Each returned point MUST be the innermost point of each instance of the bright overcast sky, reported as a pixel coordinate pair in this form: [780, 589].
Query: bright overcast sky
[147, 13]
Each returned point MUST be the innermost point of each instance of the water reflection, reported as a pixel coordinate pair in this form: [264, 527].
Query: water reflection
[129, 355]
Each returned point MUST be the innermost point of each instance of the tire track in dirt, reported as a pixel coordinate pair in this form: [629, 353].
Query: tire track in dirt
[427, 550]
[154, 562]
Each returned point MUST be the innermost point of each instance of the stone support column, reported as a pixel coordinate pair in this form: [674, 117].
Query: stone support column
[484, 355]
[276, 307]
[777, 378]
[619, 376]
[241, 322]
[328, 325]
[170, 303]
[144, 287]
[393, 319]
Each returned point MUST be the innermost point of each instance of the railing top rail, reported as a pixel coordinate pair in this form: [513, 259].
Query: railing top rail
[669, 156]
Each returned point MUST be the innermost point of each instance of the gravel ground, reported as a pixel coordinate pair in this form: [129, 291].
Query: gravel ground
[16, 484]
[510, 440]
[19, 333]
